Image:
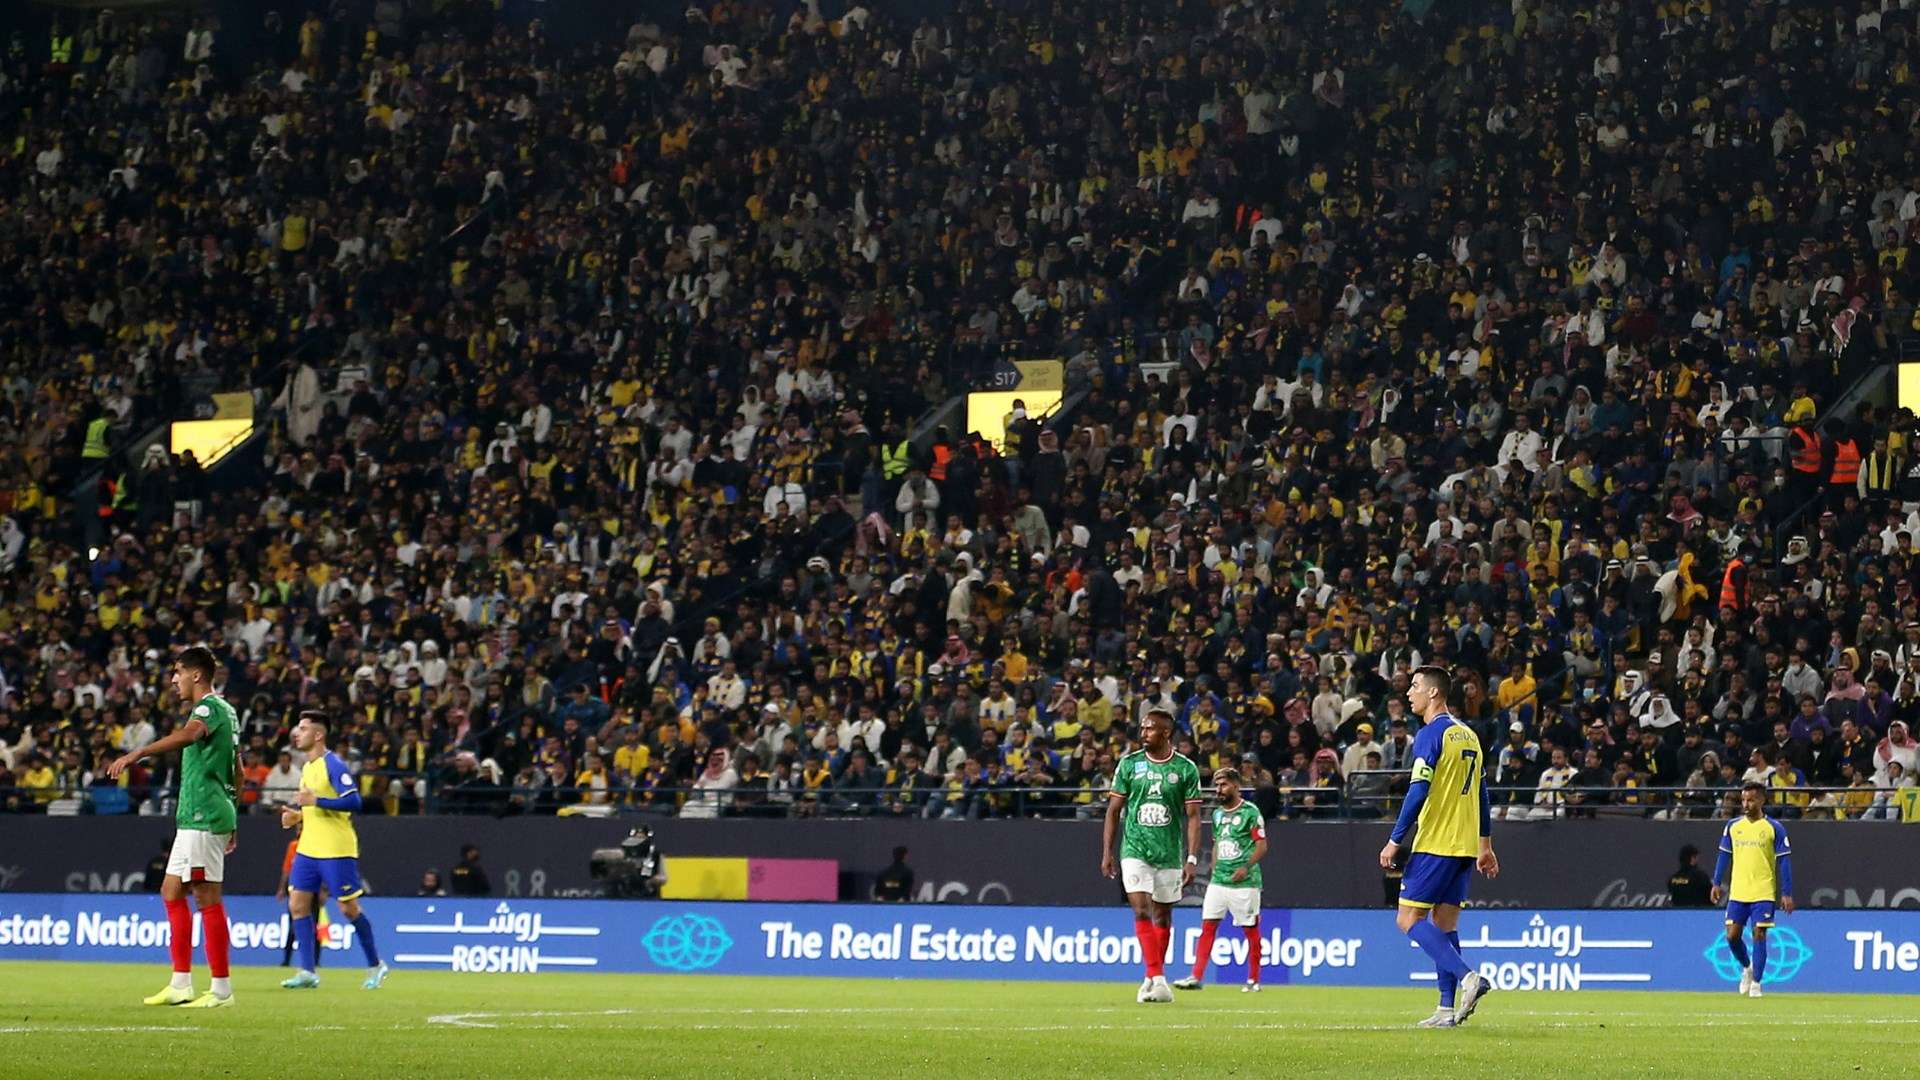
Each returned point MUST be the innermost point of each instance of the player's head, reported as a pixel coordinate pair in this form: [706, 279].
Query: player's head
[310, 733]
[1226, 784]
[1430, 690]
[193, 672]
[1753, 798]
[1156, 731]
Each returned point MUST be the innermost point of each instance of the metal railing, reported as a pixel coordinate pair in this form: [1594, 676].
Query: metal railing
[1518, 802]
[413, 794]
[1364, 795]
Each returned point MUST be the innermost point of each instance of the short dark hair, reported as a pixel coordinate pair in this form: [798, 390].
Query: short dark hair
[316, 718]
[199, 660]
[1440, 677]
[1754, 785]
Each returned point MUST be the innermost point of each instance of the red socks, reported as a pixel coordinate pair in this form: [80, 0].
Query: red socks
[1253, 952]
[180, 942]
[1153, 946]
[1208, 928]
[213, 927]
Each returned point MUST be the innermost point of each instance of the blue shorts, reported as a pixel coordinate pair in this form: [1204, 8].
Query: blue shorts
[1758, 912]
[1432, 880]
[340, 877]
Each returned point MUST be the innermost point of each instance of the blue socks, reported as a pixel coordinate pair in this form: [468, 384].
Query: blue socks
[1446, 957]
[1739, 947]
[1759, 957]
[363, 928]
[304, 943]
[1449, 982]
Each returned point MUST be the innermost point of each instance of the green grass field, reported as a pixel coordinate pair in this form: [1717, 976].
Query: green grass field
[74, 1020]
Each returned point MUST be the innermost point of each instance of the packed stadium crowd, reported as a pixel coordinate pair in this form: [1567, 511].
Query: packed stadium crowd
[1502, 338]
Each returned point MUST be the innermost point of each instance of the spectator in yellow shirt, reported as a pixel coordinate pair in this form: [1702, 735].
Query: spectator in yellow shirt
[40, 781]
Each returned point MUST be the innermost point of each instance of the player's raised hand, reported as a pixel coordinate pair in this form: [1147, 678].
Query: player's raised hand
[119, 765]
[1387, 853]
[305, 797]
[1718, 894]
[1109, 866]
[1786, 904]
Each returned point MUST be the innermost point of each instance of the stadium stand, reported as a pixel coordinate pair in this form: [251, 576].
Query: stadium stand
[606, 459]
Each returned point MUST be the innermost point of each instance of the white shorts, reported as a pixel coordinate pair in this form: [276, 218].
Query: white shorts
[1242, 903]
[1136, 876]
[198, 855]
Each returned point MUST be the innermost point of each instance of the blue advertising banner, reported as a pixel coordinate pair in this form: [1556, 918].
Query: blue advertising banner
[1519, 950]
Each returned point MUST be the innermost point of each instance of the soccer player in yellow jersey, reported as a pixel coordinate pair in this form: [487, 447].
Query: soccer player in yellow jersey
[1447, 798]
[1754, 847]
[329, 852]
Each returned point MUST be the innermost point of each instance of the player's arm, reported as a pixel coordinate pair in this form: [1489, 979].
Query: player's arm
[1488, 862]
[186, 734]
[1193, 835]
[1109, 832]
[1722, 866]
[1259, 851]
[1783, 866]
[1417, 788]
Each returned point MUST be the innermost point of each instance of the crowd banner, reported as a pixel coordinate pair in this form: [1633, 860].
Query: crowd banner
[1549, 950]
[1559, 864]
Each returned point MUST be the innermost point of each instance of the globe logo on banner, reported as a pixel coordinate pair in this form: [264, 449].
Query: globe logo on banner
[687, 942]
[1787, 953]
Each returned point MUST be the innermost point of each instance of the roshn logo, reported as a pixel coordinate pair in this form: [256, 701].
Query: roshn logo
[687, 942]
[1786, 954]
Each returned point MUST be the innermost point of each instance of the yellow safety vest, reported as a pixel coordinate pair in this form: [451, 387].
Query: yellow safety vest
[61, 51]
[96, 446]
[896, 460]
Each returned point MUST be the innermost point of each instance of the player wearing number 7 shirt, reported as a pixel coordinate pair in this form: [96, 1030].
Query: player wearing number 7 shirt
[1156, 794]
[1447, 797]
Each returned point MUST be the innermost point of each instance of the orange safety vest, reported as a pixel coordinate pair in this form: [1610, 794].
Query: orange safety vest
[942, 453]
[1732, 596]
[1846, 462]
[1806, 451]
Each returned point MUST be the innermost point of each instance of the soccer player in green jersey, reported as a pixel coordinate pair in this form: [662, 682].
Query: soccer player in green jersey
[209, 742]
[1156, 793]
[1239, 843]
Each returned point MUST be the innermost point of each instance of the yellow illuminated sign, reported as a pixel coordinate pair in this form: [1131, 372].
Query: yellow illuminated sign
[210, 440]
[1037, 384]
[1909, 386]
[987, 411]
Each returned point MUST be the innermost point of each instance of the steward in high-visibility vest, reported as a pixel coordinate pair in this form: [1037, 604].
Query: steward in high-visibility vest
[96, 445]
[1804, 446]
[1846, 462]
[895, 460]
[1733, 588]
[60, 49]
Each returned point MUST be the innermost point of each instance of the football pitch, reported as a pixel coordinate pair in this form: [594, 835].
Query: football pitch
[85, 1020]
